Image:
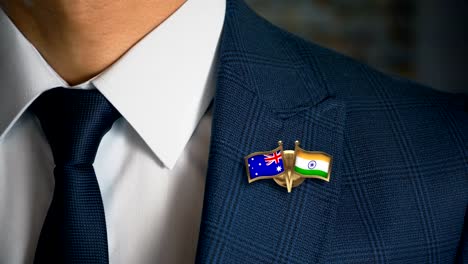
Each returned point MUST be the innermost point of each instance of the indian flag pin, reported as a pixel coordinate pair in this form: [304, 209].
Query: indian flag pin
[312, 164]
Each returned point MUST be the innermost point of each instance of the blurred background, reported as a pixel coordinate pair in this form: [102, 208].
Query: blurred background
[424, 40]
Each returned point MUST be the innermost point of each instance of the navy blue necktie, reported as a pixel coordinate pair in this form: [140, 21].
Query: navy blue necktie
[74, 122]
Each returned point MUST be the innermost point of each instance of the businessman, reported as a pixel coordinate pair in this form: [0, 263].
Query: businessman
[123, 127]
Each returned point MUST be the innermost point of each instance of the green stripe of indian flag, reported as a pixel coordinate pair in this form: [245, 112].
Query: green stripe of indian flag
[312, 164]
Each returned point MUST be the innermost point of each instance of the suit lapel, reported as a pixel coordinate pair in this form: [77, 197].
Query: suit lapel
[265, 94]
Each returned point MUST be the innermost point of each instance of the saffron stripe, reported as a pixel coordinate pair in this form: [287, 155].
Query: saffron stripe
[313, 155]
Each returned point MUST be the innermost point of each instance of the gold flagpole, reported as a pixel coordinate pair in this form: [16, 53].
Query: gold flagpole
[289, 181]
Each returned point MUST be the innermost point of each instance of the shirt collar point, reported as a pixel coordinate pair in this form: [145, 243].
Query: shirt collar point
[167, 155]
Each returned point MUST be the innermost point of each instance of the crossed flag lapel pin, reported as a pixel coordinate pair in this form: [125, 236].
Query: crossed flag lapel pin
[288, 168]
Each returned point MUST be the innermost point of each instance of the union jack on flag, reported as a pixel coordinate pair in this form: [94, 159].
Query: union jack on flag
[273, 158]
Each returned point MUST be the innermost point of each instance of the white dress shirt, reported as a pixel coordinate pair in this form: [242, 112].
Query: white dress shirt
[150, 166]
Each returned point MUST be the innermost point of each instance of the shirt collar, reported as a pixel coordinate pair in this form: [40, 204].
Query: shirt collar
[162, 86]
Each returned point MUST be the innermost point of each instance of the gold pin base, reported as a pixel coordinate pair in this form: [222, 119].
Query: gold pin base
[289, 179]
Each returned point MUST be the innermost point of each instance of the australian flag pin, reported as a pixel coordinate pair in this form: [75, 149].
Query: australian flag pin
[288, 168]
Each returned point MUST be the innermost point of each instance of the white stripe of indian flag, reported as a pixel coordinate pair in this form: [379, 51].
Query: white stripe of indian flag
[312, 164]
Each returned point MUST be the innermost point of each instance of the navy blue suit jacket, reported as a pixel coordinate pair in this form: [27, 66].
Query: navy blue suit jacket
[399, 183]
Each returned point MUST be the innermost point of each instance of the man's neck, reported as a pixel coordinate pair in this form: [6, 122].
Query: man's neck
[80, 39]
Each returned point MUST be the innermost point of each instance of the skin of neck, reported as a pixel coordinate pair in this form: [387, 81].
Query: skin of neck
[79, 39]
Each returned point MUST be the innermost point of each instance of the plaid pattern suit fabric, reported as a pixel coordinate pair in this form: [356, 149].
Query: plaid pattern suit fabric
[399, 183]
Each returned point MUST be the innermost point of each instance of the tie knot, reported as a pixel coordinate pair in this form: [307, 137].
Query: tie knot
[74, 122]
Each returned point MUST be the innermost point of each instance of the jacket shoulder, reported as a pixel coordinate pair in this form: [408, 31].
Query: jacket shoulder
[297, 72]
[346, 76]
[368, 92]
